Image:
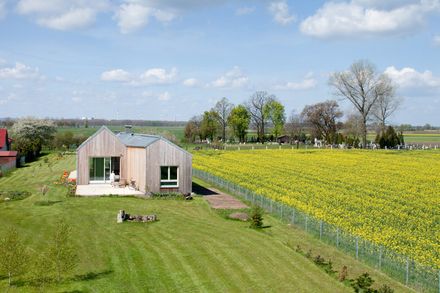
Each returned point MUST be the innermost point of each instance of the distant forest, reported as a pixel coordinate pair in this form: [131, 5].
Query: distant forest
[8, 122]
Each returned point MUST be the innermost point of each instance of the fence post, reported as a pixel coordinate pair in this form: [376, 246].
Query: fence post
[271, 208]
[407, 271]
[293, 216]
[380, 257]
[357, 247]
[307, 218]
[320, 230]
[439, 281]
[337, 237]
[282, 208]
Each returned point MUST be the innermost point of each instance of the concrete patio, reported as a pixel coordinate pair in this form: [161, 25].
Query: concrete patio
[105, 189]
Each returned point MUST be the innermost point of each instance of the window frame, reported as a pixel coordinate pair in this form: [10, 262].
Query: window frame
[169, 180]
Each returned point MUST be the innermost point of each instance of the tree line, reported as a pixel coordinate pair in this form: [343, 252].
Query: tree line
[372, 95]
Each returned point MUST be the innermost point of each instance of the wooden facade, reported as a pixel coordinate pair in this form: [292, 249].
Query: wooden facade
[164, 153]
[138, 163]
[103, 143]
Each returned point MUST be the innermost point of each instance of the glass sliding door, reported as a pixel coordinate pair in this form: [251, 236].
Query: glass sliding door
[100, 168]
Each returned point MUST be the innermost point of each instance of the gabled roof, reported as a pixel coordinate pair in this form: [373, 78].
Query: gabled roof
[133, 139]
[136, 139]
[3, 136]
[103, 128]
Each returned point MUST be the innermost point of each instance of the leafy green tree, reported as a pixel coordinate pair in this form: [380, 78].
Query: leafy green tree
[209, 125]
[274, 111]
[61, 252]
[13, 255]
[30, 135]
[239, 120]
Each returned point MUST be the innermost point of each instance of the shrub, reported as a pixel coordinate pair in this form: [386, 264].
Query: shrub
[14, 195]
[44, 189]
[167, 195]
[343, 274]
[362, 284]
[256, 217]
[14, 257]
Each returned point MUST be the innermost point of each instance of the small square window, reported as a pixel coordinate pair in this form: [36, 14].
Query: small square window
[169, 176]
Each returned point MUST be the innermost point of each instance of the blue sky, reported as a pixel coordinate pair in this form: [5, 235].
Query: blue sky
[170, 60]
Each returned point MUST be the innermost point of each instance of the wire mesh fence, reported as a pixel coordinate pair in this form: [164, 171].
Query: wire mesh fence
[397, 266]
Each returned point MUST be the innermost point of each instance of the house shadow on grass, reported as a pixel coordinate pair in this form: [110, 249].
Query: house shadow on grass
[46, 202]
[200, 190]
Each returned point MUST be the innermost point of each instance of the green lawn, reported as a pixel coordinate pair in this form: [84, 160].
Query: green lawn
[416, 137]
[190, 249]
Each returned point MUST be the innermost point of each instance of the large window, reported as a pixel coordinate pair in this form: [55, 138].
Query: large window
[169, 176]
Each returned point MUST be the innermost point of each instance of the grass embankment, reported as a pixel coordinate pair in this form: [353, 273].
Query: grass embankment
[192, 248]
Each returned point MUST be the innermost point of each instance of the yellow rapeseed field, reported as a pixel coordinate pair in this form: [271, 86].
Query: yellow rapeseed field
[388, 197]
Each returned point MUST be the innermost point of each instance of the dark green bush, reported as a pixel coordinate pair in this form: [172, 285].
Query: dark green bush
[167, 195]
[14, 195]
[256, 217]
[362, 284]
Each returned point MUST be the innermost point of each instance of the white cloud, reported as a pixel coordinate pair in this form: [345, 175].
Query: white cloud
[408, 77]
[115, 75]
[164, 96]
[436, 40]
[8, 98]
[367, 17]
[190, 82]
[74, 19]
[153, 76]
[2, 8]
[232, 79]
[134, 16]
[244, 10]
[63, 15]
[280, 12]
[19, 71]
[158, 76]
[307, 83]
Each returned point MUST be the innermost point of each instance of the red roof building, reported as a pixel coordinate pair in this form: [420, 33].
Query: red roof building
[8, 158]
[4, 140]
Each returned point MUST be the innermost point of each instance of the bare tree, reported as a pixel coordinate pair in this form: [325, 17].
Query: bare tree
[323, 117]
[223, 108]
[256, 106]
[294, 126]
[362, 86]
[193, 129]
[385, 106]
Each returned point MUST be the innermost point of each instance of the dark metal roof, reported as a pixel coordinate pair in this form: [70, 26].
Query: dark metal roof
[136, 139]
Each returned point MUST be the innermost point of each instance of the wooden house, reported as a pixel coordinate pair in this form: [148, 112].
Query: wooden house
[149, 163]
